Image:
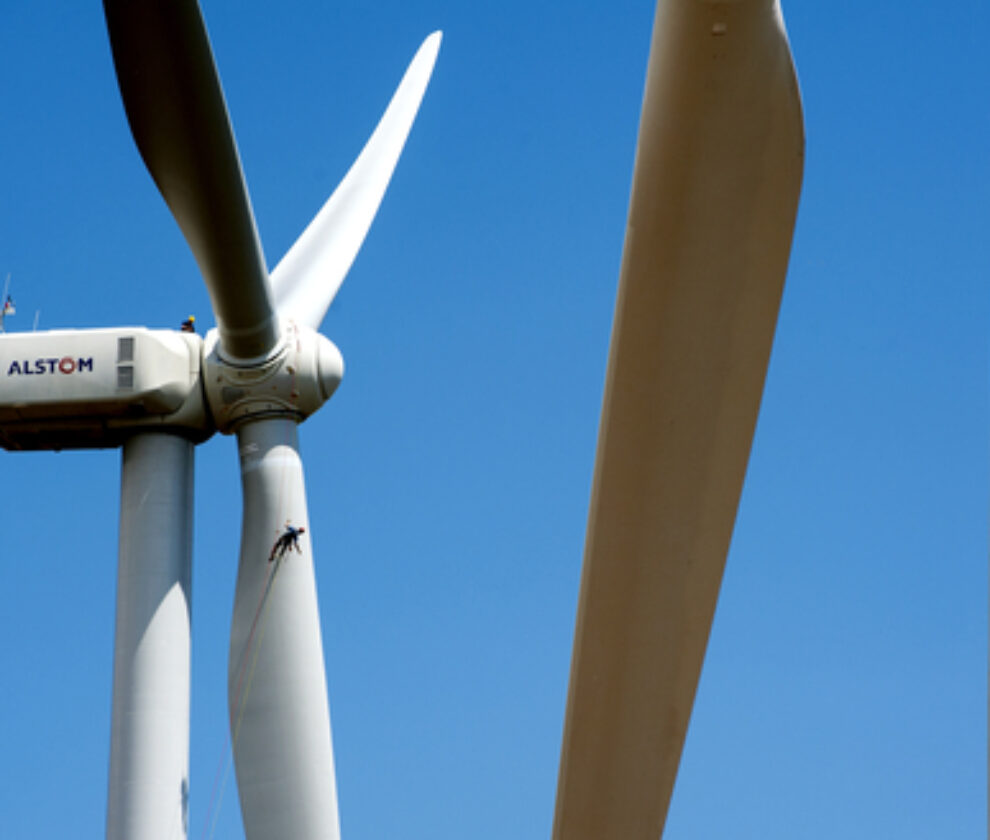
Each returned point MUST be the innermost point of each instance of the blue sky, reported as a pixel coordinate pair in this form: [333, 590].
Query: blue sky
[845, 688]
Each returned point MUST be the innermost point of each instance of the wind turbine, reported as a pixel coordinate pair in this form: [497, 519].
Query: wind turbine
[157, 393]
[715, 191]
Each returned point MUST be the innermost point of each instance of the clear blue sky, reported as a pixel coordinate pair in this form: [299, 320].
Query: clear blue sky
[845, 692]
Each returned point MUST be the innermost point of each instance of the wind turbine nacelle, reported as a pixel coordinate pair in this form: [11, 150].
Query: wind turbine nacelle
[64, 389]
[300, 374]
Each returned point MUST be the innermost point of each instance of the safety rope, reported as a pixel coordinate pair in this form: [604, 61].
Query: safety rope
[240, 702]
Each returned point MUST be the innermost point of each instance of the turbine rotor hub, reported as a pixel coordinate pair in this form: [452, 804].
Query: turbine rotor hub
[295, 379]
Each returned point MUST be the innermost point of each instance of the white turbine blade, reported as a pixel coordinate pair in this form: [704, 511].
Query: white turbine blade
[279, 715]
[309, 275]
[714, 198]
[176, 110]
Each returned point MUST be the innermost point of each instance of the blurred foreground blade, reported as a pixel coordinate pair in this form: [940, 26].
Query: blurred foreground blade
[714, 198]
[178, 117]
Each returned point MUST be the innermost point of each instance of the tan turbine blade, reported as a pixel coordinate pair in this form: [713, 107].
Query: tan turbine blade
[715, 192]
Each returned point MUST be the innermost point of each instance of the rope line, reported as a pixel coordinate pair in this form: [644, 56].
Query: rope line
[216, 799]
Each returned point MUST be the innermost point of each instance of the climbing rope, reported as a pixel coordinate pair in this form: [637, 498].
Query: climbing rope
[240, 702]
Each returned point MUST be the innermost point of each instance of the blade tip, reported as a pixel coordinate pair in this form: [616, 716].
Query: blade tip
[432, 41]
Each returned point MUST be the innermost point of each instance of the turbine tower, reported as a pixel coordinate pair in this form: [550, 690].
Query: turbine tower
[716, 184]
[157, 393]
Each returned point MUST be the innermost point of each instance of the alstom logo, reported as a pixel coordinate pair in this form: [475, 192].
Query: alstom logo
[66, 365]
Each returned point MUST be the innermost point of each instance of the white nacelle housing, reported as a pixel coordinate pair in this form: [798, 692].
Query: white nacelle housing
[71, 388]
[66, 389]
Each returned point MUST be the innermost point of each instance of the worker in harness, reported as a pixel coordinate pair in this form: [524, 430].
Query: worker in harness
[286, 542]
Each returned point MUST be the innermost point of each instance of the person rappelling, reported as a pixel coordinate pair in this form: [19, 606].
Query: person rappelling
[286, 542]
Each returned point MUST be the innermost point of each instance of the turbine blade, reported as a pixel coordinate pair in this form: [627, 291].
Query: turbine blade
[714, 197]
[175, 106]
[309, 275]
[279, 716]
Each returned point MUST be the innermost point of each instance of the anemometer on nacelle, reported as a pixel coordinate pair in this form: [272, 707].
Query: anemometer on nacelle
[67, 389]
